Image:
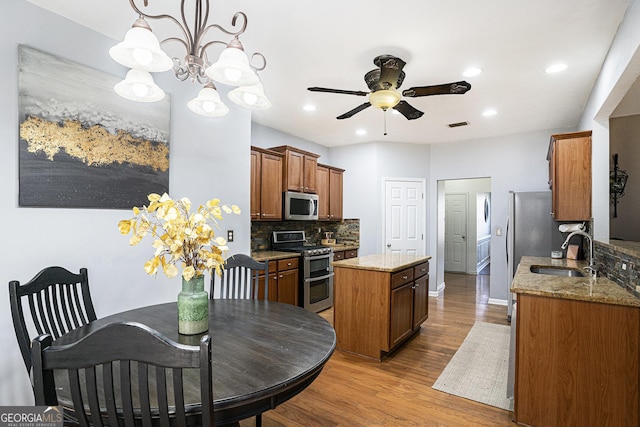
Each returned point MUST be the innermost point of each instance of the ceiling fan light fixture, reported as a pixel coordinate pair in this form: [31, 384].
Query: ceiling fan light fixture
[384, 99]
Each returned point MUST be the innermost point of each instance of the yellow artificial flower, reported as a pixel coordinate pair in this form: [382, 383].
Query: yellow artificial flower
[180, 237]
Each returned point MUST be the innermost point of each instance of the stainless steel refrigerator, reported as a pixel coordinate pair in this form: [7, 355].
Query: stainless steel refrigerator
[530, 231]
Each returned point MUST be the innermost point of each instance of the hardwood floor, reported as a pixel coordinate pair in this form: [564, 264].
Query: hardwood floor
[353, 391]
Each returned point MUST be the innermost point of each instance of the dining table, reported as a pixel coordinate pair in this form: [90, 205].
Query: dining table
[263, 353]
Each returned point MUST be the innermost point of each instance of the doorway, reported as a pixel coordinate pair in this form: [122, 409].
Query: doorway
[466, 224]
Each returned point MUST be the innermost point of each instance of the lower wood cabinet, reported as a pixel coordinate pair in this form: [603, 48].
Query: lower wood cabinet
[577, 363]
[340, 255]
[376, 311]
[283, 281]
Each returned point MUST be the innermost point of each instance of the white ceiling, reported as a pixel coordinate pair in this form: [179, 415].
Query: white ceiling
[332, 43]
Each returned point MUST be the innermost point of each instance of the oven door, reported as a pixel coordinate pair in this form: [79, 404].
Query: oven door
[318, 293]
[317, 265]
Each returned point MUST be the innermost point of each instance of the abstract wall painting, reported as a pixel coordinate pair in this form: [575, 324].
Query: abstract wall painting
[82, 145]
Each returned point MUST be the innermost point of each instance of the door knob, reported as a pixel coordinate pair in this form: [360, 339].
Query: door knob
[388, 245]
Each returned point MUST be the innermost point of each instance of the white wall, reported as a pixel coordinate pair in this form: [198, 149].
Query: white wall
[513, 162]
[619, 71]
[366, 165]
[266, 137]
[209, 158]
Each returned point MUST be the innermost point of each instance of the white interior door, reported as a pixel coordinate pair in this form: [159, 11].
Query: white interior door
[455, 234]
[404, 217]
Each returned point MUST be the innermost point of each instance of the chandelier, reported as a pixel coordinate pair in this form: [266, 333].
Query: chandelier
[141, 52]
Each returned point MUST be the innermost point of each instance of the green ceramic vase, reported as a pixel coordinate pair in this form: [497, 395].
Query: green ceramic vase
[193, 307]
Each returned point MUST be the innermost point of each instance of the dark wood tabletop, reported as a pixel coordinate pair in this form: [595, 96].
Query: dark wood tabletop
[264, 353]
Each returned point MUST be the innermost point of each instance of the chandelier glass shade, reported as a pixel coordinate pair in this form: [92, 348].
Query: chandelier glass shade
[208, 103]
[250, 97]
[139, 86]
[142, 53]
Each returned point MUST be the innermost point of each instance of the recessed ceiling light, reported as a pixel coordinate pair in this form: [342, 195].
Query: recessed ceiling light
[555, 68]
[472, 72]
[309, 107]
[489, 112]
[361, 132]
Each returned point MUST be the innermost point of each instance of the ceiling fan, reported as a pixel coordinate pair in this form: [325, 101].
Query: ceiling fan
[383, 83]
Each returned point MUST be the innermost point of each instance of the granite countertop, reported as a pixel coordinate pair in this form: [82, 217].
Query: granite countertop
[342, 246]
[600, 290]
[272, 255]
[381, 262]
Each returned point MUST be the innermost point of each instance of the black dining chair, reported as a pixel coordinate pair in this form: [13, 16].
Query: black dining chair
[58, 302]
[129, 369]
[240, 279]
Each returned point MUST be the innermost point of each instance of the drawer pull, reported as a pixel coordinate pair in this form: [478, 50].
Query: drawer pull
[405, 277]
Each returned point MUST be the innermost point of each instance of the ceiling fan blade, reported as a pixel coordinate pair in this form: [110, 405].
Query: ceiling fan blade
[456, 88]
[391, 75]
[345, 92]
[354, 111]
[408, 110]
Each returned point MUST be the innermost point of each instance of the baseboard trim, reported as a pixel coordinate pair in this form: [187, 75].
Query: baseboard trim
[438, 291]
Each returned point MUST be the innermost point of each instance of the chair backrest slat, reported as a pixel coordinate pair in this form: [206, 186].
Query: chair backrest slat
[59, 301]
[240, 279]
[144, 358]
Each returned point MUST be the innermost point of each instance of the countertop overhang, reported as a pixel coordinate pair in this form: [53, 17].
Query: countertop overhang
[600, 290]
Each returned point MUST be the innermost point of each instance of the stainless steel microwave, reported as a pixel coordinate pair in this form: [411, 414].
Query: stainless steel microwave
[300, 206]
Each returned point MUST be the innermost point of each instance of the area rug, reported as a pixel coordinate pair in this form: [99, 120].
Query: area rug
[478, 370]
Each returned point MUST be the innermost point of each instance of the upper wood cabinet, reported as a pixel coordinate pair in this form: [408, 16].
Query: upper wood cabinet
[299, 173]
[329, 185]
[266, 185]
[569, 159]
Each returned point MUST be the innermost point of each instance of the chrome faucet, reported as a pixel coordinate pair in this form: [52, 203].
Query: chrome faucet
[592, 264]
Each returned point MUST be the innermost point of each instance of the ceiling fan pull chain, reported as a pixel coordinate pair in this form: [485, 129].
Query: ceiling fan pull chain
[385, 121]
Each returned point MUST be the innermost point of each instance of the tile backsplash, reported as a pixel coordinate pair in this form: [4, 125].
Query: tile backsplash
[619, 262]
[345, 231]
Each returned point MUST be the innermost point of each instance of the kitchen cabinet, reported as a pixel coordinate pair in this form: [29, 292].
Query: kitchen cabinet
[283, 281]
[299, 172]
[340, 255]
[577, 362]
[380, 301]
[569, 157]
[409, 302]
[329, 185]
[266, 185]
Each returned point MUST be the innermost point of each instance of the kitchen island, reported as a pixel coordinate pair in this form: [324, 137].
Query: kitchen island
[380, 301]
[577, 351]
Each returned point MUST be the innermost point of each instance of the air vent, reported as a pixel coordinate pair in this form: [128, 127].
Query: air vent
[457, 125]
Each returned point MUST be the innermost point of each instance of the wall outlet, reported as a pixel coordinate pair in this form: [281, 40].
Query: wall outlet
[637, 288]
[229, 235]
[498, 231]
[624, 266]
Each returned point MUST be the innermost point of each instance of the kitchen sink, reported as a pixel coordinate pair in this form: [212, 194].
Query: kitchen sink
[557, 271]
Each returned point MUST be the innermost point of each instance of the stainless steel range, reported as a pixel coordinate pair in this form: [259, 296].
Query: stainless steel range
[316, 273]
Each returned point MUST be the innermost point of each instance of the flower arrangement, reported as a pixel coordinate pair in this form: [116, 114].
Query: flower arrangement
[181, 237]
